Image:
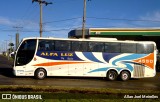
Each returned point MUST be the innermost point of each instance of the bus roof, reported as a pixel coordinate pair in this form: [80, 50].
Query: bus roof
[90, 39]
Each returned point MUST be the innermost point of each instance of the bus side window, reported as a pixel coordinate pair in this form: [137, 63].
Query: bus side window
[75, 46]
[145, 48]
[79, 46]
[84, 46]
[128, 48]
[96, 47]
[47, 45]
[61, 45]
[41, 45]
[112, 47]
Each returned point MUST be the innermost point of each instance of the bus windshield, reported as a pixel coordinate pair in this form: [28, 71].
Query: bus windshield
[25, 52]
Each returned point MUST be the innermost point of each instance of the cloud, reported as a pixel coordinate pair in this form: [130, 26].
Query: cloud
[151, 19]
[155, 16]
[6, 21]
[61, 29]
[56, 29]
[8, 24]
[28, 24]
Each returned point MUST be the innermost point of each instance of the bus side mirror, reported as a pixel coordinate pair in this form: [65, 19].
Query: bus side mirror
[157, 51]
[13, 55]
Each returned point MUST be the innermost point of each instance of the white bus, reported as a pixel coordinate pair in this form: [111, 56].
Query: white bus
[41, 57]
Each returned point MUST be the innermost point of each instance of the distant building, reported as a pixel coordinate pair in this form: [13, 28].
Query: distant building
[143, 34]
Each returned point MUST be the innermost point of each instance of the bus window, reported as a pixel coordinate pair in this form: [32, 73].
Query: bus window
[61, 45]
[79, 46]
[26, 52]
[145, 48]
[76, 46]
[96, 47]
[112, 47]
[128, 48]
[46, 45]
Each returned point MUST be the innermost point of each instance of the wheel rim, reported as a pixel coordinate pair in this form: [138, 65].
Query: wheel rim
[111, 76]
[124, 76]
[41, 74]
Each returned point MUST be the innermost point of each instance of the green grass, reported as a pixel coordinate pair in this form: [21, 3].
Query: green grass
[72, 94]
[33, 88]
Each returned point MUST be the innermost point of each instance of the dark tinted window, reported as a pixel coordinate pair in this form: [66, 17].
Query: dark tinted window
[28, 45]
[112, 47]
[61, 45]
[46, 45]
[96, 47]
[79, 46]
[128, 48]
[26, 52]
[145, 48]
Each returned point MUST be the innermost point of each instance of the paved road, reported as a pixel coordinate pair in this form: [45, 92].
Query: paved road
[7, 78]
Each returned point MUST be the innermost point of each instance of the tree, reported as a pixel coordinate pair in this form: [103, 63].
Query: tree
[11, 47]
[11, 44]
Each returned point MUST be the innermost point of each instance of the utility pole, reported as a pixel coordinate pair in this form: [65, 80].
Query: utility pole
[6, 51]
[40, 3]
[10, 45]
[17, 35]
[84, 19]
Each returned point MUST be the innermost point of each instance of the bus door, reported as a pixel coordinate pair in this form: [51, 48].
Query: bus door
[24, 56]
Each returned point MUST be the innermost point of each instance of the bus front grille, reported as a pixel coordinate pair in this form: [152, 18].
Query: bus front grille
[138, 71]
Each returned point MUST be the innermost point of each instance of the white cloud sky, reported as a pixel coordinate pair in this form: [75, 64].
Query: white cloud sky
[154, 16]
[26, 24]
[153, 19]
[6, 21]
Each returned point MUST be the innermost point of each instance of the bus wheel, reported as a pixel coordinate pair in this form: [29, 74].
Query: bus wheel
[125, 75]
[40, 73]
[112, 75]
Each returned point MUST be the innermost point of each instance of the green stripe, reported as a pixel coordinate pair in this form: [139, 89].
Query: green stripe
[127, 33]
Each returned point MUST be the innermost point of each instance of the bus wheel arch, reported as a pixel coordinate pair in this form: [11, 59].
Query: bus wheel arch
[112, 75]
[125, 75]
[40, 73]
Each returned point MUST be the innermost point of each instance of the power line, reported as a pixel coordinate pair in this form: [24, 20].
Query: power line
[62, 20]
[124, 19]
[37, 30]
[101, 18]
[65, 29]
[64, 1]
[29, 14]
[17, 28]
[11, 30]
[57, 30]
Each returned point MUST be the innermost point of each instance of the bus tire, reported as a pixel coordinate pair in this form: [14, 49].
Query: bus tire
[125, 75]
[40, 73]
[112, 75]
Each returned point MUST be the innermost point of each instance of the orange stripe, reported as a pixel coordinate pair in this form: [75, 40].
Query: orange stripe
[147, 60]
[57, 63]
